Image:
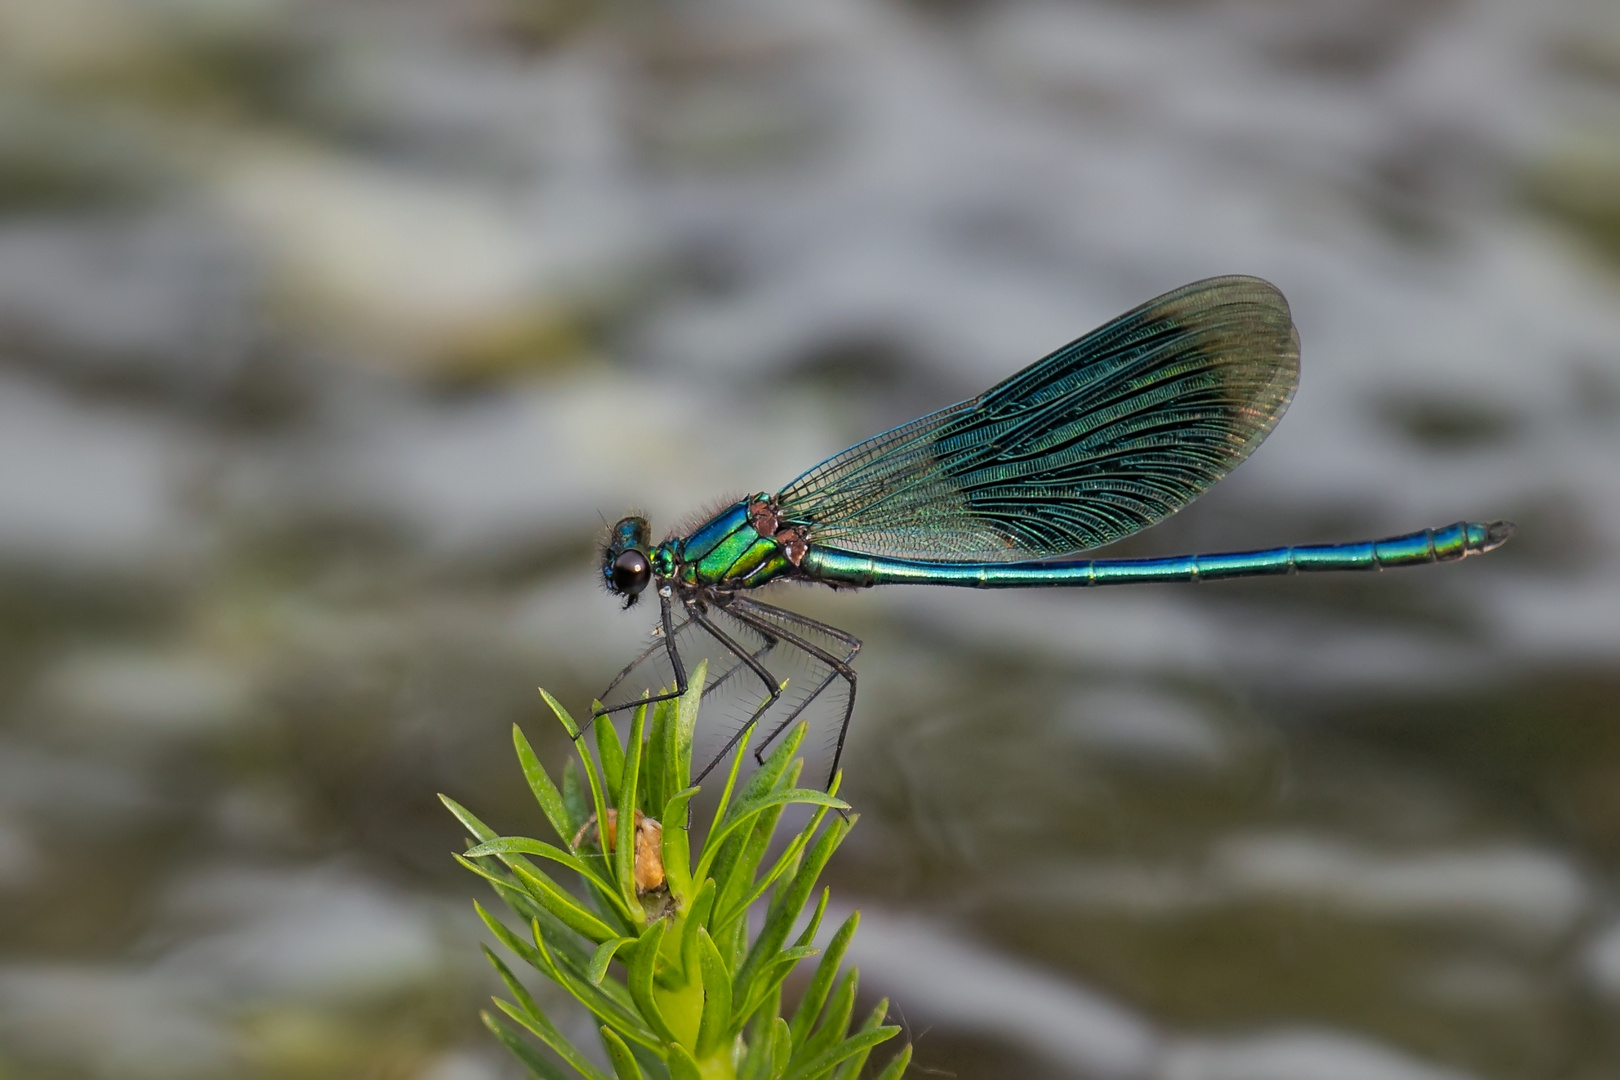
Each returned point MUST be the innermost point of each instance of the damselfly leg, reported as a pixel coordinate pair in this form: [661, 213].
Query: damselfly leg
[770, 665]
[833, 651]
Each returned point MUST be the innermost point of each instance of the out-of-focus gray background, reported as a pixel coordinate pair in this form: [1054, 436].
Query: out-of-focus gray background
[330, 331]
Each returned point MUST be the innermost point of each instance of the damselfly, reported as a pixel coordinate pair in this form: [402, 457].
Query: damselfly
[1102, 438]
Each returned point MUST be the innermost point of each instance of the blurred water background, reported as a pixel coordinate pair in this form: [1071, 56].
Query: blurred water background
[331, 331]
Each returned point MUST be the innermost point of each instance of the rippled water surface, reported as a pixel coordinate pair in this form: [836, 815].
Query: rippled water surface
[332, 331]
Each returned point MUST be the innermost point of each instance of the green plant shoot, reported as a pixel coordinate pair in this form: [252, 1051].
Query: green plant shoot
[655, 944]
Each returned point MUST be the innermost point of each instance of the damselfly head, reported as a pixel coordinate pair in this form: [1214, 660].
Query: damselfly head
[626, 567]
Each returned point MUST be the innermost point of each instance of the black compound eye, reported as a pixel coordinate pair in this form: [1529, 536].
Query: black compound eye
[631, 572]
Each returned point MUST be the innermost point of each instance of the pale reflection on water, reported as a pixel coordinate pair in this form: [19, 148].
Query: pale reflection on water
[333, 331]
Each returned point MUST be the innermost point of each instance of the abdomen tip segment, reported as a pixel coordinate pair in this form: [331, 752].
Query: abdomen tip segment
[1497, 533]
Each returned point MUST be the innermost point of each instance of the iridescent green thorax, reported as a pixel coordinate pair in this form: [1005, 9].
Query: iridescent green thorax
[663, 558]
[729, 550]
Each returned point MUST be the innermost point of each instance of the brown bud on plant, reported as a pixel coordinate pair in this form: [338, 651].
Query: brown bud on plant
[649, 847]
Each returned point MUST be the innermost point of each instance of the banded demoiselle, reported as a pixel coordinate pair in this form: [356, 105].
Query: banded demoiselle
[1104, 437]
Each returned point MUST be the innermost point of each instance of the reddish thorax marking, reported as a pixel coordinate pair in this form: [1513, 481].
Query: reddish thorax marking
[793, 538]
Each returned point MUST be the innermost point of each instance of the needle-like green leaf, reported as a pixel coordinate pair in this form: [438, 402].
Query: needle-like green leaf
[527, 1012]
[655, 771]
[603, 956]
[599, 798]
[716, 1022]
[896, 1068]
[781, 1046]
[567, 721]
[622, 1017]
[506, 937]
[788, 904]
[786, 863]
[538, 1026]
[824, 1062]
[677, 845]
[681, 1065]
[624, 1062]
[573, 793]
[610, 753]
[520, 845]
[805, 796]
[697, 918]
[711, 849]
[851, 1068]
[525, 872]
[624, 851]
[545, 792]
[643, 965]
[531, 1058]
[808, 934]
[684, 726]
[767, 777]
[767, 981]
[561, 903]
[834, 1022]
[804, 1017]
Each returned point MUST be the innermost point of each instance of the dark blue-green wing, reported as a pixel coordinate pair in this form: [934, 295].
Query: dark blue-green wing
[1106, 436]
